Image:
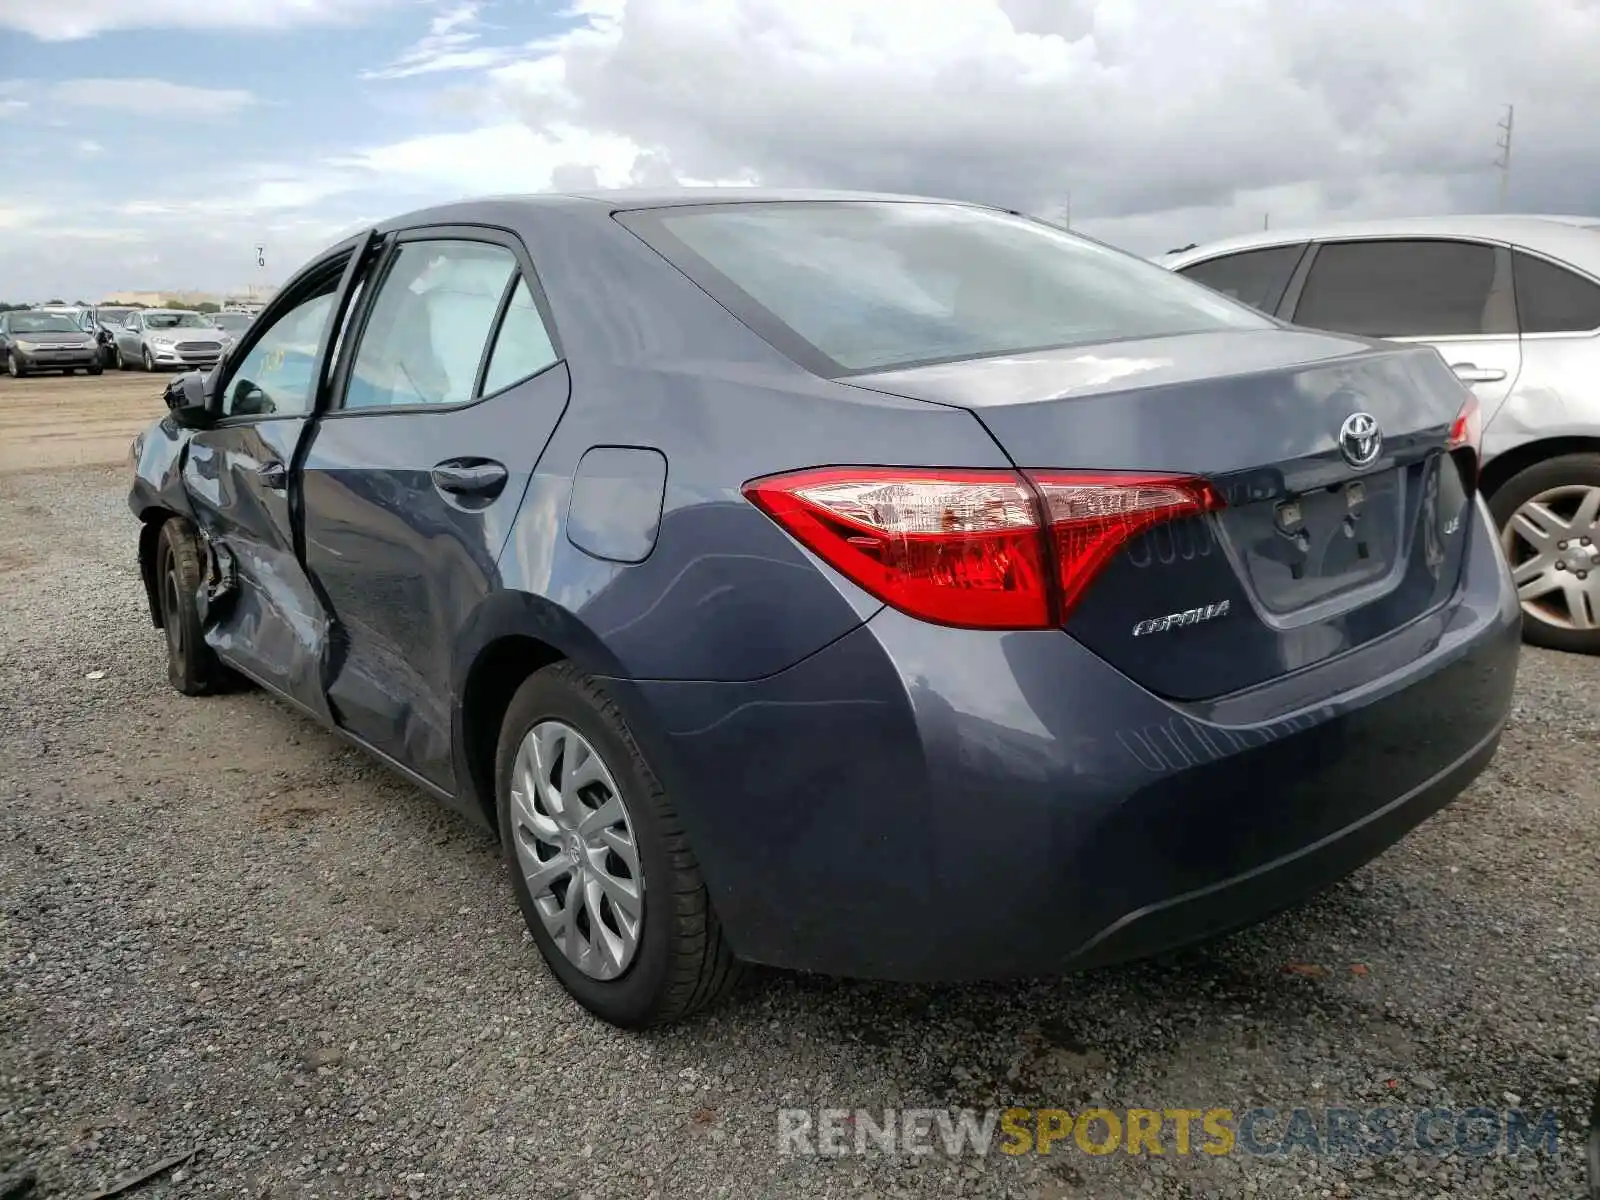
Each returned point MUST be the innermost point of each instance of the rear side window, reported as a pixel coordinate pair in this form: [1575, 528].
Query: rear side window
[522, 348]
[430, 322]
[1552, 299]
[851, 286]
[1254, 277]
[1420, 288]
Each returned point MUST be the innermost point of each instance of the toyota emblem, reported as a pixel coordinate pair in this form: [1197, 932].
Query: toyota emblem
[1360, 440]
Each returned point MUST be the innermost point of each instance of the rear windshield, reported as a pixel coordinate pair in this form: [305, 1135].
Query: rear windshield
[847, 287]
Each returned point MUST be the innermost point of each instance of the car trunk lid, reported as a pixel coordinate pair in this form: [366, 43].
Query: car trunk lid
[1345, 517]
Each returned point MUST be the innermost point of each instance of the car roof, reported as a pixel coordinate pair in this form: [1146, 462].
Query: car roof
[1574, 239]
[634, 199]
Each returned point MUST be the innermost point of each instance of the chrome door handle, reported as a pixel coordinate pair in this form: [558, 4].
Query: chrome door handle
[1473, 373]
[478, 477]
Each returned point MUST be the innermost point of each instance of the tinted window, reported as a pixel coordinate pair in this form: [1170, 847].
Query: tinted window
[856, 286]
[1256, 277]
[522, 347]
[1551, 299]
[1406, 289]
[276, 376]
[429, 324]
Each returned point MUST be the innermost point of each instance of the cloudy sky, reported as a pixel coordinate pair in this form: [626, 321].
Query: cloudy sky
[152, 144]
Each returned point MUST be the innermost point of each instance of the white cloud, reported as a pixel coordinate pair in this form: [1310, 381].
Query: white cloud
[1166, 123]
[450, 45]
[502, 158]
[151, 97]
[89, 148]
[77, 19]
[1137, 107]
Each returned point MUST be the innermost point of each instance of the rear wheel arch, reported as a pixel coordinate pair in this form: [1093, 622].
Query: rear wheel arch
[1502, 468]
[498, 670]
[511, 635]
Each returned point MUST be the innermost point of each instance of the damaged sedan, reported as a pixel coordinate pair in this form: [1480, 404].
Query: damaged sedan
[872, 585]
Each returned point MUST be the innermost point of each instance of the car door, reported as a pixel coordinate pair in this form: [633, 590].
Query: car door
[1453, 294]
[130, 337]
[415, 475]
[243, 487]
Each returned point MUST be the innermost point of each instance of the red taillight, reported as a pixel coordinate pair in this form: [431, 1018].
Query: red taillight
[980, 549]
[1466, 433]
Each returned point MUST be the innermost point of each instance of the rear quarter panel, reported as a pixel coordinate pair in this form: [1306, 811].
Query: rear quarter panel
[657, 365]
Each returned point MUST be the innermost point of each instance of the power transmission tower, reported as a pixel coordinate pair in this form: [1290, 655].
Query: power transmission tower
[1503, 163]
[1066, 212]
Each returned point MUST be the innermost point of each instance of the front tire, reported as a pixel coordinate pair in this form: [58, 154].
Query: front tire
[192, 666]
[117, 360]
[149, 360]
[95, 369]
[637, 944]
[1548, 515]
[14, 367]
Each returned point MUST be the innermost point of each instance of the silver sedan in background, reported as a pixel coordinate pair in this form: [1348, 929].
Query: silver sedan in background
[1513, 305]
[167, 338]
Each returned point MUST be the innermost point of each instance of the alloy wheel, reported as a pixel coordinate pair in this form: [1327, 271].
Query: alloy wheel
[1553, 545]
[576, 849]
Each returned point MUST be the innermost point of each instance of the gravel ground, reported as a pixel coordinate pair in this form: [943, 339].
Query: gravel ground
[225, 932]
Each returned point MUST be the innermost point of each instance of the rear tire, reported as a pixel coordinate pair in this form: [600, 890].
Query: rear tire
[1548, 621]
[680, 962]
[193, 668]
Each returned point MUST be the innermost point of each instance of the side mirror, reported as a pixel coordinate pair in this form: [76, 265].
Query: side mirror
[188, 401]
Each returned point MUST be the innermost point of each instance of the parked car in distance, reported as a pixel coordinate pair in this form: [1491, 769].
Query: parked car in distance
[35, 340]
[872, 585]
[1513, 304]
[163, 338]
[107, 320]
[232, 325]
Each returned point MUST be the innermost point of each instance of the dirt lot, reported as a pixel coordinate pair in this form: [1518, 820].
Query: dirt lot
[64, 421]
[223, 932]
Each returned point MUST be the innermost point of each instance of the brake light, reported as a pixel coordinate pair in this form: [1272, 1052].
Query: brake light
[979, 549]
[1466, 433]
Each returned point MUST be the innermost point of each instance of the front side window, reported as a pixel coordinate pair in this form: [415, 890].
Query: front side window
[1407, 289]
[1552, 299]
[1254, 277]
[862, 286]
[277, 376]
[429, 324]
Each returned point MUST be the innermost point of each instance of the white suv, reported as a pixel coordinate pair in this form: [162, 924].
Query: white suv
[1513, 304]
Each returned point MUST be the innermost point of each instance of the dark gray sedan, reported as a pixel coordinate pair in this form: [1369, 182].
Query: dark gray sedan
[32, 341]
[870, 585]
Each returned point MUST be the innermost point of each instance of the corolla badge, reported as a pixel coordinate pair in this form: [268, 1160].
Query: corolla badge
[1360, 439]
[1178, 620]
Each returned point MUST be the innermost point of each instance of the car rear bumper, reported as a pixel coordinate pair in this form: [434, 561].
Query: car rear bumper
[921, 803]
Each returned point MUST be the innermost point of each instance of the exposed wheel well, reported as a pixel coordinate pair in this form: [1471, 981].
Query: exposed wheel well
[1502, 467]
[151, 521]
[496, 674]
